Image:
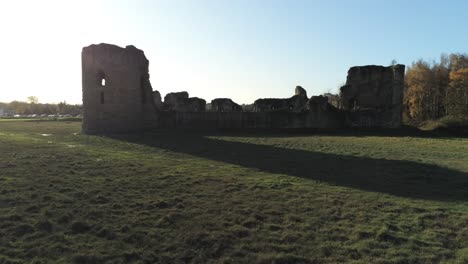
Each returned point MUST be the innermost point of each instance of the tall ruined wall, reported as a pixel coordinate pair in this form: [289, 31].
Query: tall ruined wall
[374, 95]
[117, 93]
[252, 120]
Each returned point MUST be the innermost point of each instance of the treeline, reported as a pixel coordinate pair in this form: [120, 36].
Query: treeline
[30, 108]
[437, 89]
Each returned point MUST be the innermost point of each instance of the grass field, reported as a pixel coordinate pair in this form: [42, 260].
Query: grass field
[170, 197]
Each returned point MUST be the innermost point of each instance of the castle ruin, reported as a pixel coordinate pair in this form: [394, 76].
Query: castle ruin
[118, 97]
[373, 95]
[117, 93]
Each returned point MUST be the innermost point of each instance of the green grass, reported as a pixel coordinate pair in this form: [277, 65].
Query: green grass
[170, 197]
[40, 119]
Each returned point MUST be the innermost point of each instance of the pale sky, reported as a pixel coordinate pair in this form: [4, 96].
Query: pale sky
[242, 49]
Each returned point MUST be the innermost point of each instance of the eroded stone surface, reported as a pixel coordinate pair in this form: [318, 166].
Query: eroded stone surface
[180, 102]
[318, 103]
[173, 100]
[295, 103]
[300, 91]
[157, 100]
[117, 93]
[377, 90]
[224, 105]
[191, 104]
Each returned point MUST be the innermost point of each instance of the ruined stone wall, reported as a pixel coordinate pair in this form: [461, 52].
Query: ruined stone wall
[118, 97]
[296, 103]
[375, 94]
[117, 93]
[181, 102]
[252, 120]
[224, 105]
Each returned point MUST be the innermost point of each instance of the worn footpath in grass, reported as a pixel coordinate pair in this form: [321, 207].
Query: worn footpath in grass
[173, 197]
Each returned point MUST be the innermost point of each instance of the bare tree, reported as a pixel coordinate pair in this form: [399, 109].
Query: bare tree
[33, 99]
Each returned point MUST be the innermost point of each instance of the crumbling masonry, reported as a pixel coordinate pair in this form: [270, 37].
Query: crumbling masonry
[118, 97]
[117, 93]
[373, 96]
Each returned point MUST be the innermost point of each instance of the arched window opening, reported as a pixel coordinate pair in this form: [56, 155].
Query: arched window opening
[102, 97]
[101, 79]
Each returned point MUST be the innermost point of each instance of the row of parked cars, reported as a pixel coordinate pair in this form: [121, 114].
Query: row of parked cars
[44, 116]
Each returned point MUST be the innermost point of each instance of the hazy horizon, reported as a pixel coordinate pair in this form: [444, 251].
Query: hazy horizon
[242, 50]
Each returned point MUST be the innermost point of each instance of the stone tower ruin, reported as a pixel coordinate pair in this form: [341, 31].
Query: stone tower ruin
[117, 93]
[373, 95]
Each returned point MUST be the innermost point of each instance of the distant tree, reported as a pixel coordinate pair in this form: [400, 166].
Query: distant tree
[433, 90]
[33, 100]
[458, 61]
[27, 108]
[458, 93]
[419, 91]
[441, 81]
[61, 107]
[19, 107]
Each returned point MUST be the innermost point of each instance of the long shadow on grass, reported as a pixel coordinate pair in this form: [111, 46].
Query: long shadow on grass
[402, 178]
[405, 131]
